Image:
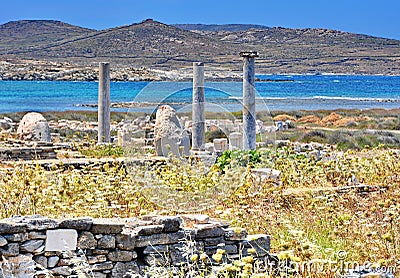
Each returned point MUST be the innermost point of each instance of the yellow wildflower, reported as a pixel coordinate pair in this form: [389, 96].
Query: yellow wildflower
[194, 257]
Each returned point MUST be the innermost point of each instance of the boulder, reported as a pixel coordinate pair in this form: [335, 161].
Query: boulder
[34, 127]
[169, 136]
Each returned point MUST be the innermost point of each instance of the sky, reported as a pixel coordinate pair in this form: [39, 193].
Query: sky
[372, 17]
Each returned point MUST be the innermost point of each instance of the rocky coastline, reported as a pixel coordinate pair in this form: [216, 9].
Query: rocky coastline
[41, 70]
[34, 70]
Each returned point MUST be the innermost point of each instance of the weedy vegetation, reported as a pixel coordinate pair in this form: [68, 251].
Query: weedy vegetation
[336, 208]
[307, 217]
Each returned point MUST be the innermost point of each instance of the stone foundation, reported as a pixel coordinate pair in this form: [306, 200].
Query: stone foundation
[24, 150]
[113, 247]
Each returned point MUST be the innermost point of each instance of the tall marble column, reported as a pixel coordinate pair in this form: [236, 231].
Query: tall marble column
[198, 120]
[249, 101]
[104, 103]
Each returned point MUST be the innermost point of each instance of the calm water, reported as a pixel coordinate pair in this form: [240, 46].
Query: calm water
[308, 92]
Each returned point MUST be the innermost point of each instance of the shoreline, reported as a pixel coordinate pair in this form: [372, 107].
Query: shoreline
[186, 79]
[355, 111]
[34, 70]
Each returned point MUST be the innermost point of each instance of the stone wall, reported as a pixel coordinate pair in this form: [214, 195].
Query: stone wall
[26, 153]
[113, 247]
[24, 150]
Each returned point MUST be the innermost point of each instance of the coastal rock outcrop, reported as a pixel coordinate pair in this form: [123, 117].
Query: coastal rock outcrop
[34, 127]
[169, 136]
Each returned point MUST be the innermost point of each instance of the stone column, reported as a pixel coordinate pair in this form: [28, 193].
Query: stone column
[198, 121]
[249, 101]
[104, 103]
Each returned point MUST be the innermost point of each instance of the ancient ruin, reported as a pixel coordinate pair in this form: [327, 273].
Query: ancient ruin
[114, 247]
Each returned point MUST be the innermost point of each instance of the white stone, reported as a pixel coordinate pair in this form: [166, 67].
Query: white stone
[235, 141]
[169, 137]
[52, 261]
[264, 174]
[34, 127]
[220, 144]
[61, 240]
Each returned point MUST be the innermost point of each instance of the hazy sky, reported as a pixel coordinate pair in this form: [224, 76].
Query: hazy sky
[372, 17]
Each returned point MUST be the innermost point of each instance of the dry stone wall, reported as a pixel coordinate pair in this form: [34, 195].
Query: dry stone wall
[23, 150]
[113, 247]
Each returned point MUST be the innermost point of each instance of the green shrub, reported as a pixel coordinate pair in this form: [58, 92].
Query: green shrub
[242, 158]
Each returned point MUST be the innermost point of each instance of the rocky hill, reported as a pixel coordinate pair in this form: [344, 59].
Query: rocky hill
[158, 46]
[220, 27]
[20, 36]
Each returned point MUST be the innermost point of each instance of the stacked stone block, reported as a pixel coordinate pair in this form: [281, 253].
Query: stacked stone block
[22, 150]
[113, 247]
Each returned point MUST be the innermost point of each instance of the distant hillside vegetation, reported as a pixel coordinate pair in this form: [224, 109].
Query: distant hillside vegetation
[220, 27]
[160, 46]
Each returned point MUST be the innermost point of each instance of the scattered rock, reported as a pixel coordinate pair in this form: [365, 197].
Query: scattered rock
[263, 175]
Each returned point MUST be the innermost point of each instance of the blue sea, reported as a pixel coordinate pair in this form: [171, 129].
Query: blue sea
[288, 92]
